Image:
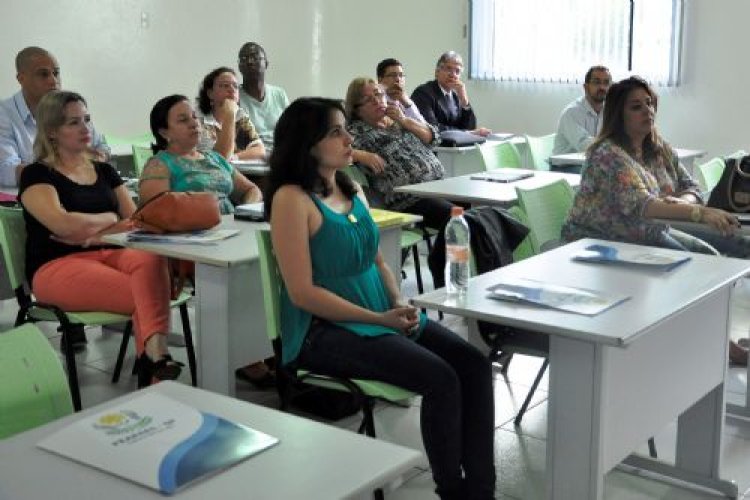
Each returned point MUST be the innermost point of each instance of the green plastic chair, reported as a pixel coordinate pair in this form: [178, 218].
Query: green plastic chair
[709, 173]
[546, 209]
[13, 243]
[500, 155]
[540, 149]
[525, 249]
[141, 155]
[33, 389]
[366, 392]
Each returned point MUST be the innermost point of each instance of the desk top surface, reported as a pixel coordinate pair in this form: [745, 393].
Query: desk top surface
[465, 189]
[654, 295]
[226, 253]
[252, 167]
[579, 158]
[310, 457]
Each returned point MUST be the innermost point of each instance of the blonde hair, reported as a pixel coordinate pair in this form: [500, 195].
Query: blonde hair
[354, 96]
[50, 116]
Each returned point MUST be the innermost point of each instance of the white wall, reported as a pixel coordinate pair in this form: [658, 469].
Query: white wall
[316, 46]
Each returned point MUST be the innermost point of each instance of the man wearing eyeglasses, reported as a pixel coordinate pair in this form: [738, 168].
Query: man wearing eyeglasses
[38, 73]
[391, 77]
[581, 120]
[443, 101]
[263, 102]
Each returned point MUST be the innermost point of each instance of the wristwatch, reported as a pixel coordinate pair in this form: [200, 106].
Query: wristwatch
[696, 214]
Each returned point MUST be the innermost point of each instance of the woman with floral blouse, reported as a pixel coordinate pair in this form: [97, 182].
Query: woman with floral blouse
[632, 178]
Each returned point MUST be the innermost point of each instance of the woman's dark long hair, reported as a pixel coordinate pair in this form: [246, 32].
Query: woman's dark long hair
[204, 103]
[613, 120]
[158, 119]
[301, 126]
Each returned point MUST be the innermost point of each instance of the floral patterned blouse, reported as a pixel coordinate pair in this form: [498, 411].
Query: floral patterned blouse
[615, 190]
[407, 160]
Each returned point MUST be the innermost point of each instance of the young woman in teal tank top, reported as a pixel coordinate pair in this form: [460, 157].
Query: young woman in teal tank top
[342, 310]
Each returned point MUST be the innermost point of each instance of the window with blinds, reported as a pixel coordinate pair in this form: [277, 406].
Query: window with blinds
[558, 40]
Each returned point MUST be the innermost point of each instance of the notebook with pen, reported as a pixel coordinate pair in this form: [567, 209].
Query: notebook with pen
[503, 176]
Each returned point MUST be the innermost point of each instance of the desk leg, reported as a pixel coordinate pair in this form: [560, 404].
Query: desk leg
[573, 465]
[231, 323]
[390, 248]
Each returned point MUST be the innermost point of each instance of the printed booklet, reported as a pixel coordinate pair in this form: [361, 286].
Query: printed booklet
[646, 257]
[158, 442]
[564, 298]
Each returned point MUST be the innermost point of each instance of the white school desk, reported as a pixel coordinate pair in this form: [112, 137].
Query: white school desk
[608, 388]
[482, 192]
[468, 160]
[687, 158]
[230, 314]
[311, 460]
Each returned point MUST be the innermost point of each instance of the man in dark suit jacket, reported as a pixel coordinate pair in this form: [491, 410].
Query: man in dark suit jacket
[443, 101]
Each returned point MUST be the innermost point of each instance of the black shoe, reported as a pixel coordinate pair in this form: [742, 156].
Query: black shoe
[77, 338]
[266, 380]
[151, 372]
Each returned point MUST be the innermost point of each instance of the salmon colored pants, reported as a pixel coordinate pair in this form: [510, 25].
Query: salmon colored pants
[122, 281]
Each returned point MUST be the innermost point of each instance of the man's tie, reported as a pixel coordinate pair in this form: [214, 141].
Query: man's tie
[450, 107]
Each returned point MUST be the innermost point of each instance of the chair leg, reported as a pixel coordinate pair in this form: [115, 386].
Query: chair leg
[368, 421]
[417, 269]
[504, 359]
[652, 448]
[188, 334]
[70, 364]
[525, 405]
[126, 334]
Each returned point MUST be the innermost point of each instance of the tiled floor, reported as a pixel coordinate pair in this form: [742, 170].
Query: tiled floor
[519, 451]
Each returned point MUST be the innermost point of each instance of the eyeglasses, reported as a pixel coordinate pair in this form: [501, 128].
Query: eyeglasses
[395, 74]
[376, 97]
[228, 85]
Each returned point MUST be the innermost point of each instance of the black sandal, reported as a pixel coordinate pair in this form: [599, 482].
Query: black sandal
[151, 372]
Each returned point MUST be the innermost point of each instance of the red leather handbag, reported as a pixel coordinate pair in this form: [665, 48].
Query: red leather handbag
[173, 212]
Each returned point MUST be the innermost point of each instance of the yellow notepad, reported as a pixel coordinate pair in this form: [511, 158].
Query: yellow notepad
[386, 218]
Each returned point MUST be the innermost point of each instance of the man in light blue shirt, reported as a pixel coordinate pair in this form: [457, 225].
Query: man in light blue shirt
[581, 120]
[263, 102]
[38, 72]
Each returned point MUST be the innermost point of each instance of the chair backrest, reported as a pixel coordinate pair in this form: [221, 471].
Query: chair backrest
[546, 209]
[271, 282]
[141, 155]
[357, 175]
[500, 155]
[709, 173]
[33, 386]
[13, 243]
[540, 149]
[525, 249]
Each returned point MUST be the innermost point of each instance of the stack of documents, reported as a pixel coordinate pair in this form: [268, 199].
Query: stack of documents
[205, 237]
[386, 218]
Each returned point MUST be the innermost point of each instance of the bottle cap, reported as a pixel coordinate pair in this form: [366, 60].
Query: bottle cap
[456, 211]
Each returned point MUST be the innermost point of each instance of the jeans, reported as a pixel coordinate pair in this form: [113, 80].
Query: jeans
[454, 379]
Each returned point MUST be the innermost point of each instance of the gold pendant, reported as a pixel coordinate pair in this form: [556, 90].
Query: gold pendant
[352, 218]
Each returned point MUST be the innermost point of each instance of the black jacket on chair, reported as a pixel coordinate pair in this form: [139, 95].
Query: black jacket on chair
[494, 235]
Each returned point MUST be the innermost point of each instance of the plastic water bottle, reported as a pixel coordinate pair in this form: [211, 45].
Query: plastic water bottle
[457, 253]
